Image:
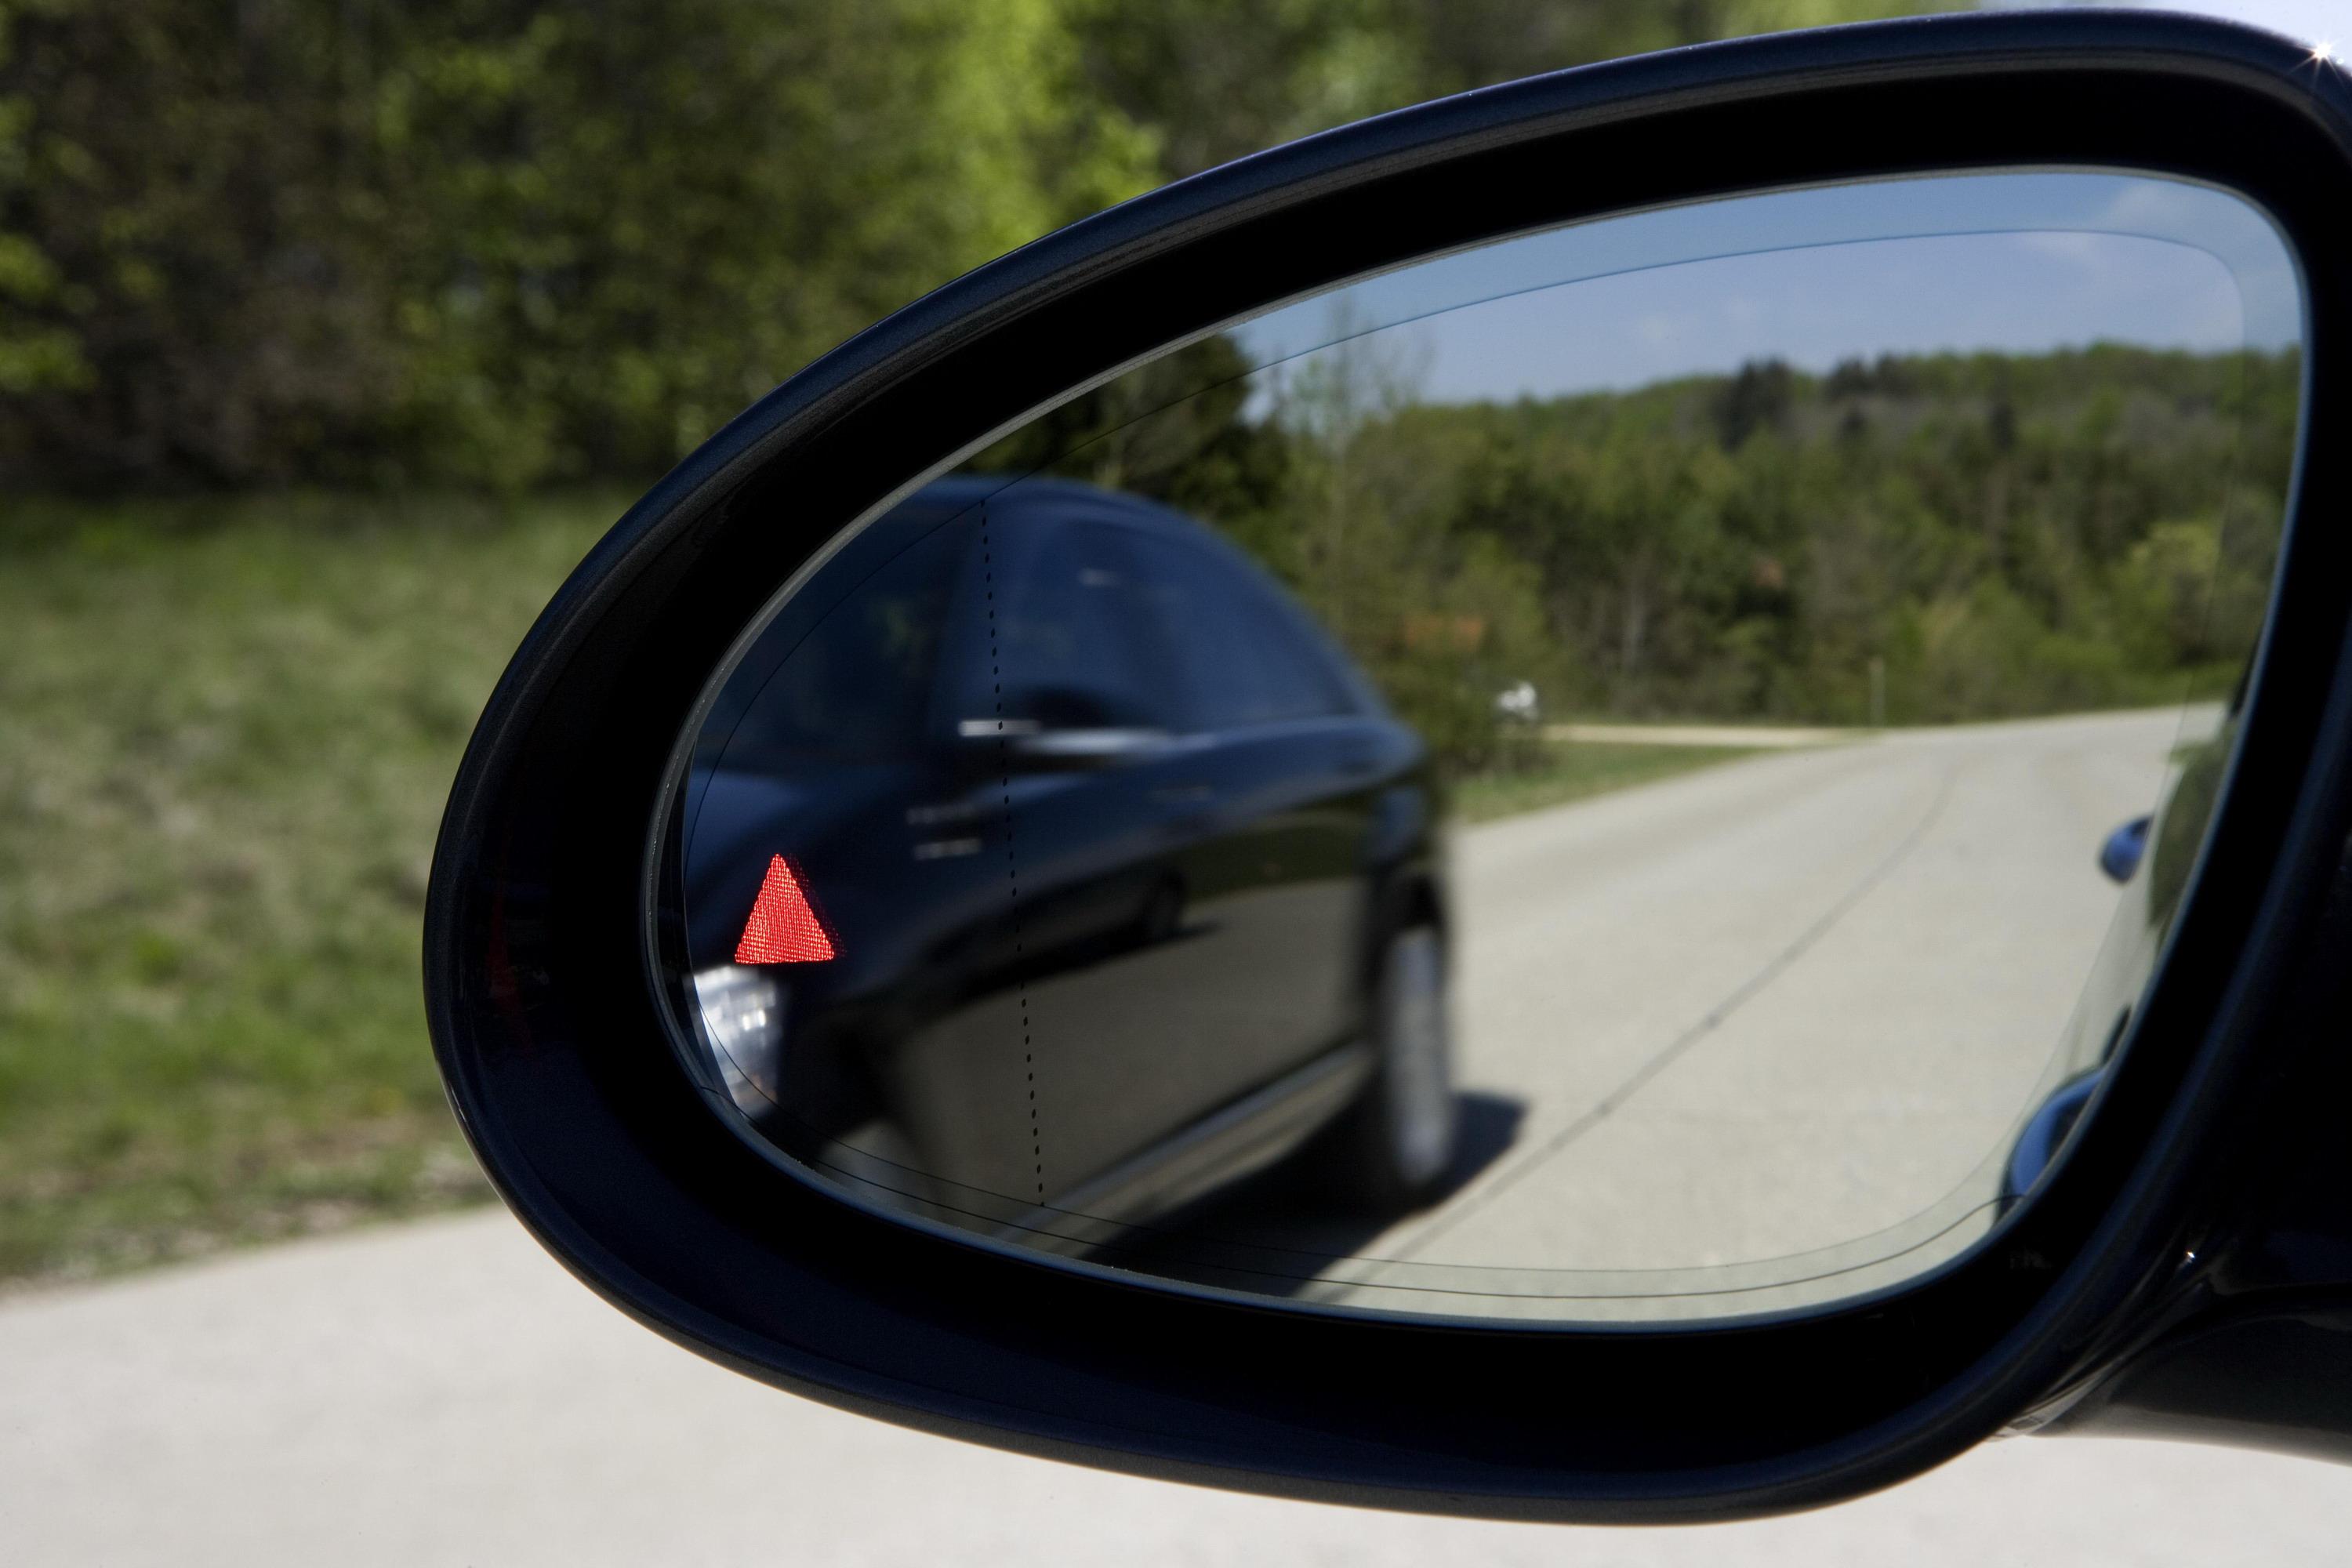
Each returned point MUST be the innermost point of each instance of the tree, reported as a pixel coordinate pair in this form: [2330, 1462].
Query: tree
[493, 239]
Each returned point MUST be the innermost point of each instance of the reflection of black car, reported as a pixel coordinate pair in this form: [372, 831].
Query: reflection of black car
[1127, 876]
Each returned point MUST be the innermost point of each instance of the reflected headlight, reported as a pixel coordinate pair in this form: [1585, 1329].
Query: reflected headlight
[743, 1024]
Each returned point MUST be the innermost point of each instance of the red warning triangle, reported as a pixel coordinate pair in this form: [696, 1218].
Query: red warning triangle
[783, 928]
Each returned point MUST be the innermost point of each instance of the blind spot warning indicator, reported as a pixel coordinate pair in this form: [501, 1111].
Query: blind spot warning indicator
[784, 927]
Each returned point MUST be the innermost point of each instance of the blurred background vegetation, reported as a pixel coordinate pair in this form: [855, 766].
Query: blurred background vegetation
[502, 244]
[227, 729]
[1916, 539]
[333, 331]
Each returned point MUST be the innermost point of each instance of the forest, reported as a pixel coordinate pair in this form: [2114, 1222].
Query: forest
[503, 244]
[1994, 534]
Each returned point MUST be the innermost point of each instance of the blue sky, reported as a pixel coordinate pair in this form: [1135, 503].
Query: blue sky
[2017, 292]
[2022, 262]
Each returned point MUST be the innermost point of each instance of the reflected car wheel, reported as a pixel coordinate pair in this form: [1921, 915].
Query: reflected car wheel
[1397, 1142]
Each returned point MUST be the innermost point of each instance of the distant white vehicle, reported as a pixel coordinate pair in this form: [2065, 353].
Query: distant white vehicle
[1519, 704]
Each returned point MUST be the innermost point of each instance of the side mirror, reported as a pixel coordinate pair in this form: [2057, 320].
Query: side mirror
[2120, 855]
[1630, 1121]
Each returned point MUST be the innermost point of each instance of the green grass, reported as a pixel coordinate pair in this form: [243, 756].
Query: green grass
[227, 730]
[1575, 771]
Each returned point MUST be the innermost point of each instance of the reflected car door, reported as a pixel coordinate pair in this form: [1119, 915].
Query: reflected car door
[1090, 1027]
[1284, 773]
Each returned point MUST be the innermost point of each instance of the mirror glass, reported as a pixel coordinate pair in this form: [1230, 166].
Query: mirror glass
[1631, 771]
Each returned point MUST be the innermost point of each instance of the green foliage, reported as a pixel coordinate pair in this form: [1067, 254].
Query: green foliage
[1557, 774]
[493, 240]
[1994, 535]
[2001, 535]
[1214, 79]
[659, 213]
[1170, 428]
[501, 242]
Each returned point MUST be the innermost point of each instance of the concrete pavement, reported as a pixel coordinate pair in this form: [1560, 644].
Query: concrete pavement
[442, 1392]
[1766, 1032]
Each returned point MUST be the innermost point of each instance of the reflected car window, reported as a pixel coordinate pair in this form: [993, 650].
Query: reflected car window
[858, 686]
[1238, 666]
[1076, 649]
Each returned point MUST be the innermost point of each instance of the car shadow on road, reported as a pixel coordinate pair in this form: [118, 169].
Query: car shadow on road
[1277, 1233]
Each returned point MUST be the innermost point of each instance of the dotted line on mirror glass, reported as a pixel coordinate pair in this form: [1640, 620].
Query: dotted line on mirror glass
[1012, 860]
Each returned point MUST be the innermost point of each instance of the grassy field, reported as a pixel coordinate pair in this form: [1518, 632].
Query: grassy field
[226, 729]
[226, 735]
[1574, 772]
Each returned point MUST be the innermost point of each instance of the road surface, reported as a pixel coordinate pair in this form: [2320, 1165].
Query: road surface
[1752, 1038]
[442, 1392]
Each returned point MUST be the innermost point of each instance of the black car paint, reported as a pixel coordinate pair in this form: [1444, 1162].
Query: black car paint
[2187, 1268]
[1207, 860]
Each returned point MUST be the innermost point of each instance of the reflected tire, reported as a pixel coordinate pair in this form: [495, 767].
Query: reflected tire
[1394, 1147]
